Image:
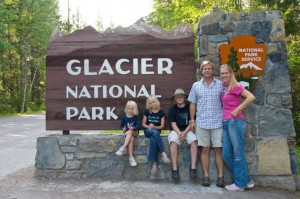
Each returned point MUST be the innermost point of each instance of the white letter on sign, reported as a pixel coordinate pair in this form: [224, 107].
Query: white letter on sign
[69, 67]
[97, 112]
[84, 114]
[119, 69]
[110, 113]
[69, 114]
[87, 68]
[161, 68]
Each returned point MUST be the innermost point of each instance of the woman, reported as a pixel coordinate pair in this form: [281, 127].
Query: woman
[234, 129]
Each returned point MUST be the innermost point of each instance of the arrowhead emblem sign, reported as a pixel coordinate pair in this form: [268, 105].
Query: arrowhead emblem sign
[246, 57]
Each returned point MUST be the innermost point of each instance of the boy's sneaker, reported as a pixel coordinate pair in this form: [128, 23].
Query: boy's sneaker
[175, 175]
[220, 182]
[193, 173]
[121, 151]
[233, 187]
[205, 181]
[250, 184]
[132, 162]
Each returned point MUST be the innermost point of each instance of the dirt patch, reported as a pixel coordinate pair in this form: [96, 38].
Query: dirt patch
[23, 185]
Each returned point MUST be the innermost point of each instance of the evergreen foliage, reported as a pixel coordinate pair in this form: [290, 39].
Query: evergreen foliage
[27, 25]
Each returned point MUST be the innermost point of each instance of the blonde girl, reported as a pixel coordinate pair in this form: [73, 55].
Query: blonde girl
[153, 122]
[130, 124]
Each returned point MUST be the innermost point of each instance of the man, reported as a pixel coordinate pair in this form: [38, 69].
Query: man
[179, 117]
[205, 96]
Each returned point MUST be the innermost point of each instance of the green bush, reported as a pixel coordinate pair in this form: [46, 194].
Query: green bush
[297, 150]
[294, 64]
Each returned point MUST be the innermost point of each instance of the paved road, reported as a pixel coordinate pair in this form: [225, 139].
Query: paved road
[17, 152]
[17, 141]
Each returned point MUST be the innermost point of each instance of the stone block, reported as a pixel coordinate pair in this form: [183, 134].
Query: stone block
[242, 28]
[203, 44]
[278, 30]
[213, 17]
[286, 182]
[217, 38]
[279, 79]
[88, 155]
[70, 165]
[109, 168]
[272, 15]
[68, 149]
[273, 157]
[48, 154]
[68, 140]
[211, 29]
[140, 172]
[259, 93]
[107, 143]
[261, 30]
[256, 16]
[226, 27]
[274, 100]
[275, 122]
[69, 156]
[212, 48]
[272, 48]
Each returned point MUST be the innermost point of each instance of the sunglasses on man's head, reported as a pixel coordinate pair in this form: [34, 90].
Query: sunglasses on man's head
[206, 62]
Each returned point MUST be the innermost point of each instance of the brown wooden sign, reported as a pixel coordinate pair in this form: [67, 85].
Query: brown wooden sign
[90, 76]
[246, 57]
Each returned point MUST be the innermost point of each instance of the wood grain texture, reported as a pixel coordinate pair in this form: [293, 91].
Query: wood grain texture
[130, 44]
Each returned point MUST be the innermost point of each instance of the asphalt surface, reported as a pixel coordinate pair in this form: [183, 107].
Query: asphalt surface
[17, 152]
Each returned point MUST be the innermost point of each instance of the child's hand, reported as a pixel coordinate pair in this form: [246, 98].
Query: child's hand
[124, 129]
[182, 136]
[151, 126]
[130, 126]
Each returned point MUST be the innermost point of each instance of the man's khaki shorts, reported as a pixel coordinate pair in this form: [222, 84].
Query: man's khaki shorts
[209, 137]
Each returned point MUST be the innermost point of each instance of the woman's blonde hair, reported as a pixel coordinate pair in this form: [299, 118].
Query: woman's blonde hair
[134, 105]
[155, 99]
[233, 80]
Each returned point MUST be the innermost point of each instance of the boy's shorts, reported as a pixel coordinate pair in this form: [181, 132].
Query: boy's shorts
[208, 137]
[174, 137]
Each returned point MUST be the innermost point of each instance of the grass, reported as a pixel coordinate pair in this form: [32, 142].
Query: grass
[18, 114]
[297, 149]
[163, 132]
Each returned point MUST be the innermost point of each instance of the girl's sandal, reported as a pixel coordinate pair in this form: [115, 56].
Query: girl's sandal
[166, 160]
[154, 169]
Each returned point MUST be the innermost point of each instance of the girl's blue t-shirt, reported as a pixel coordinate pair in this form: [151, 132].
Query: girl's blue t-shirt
[130, 121]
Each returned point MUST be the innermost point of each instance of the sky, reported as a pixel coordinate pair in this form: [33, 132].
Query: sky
[119, 12]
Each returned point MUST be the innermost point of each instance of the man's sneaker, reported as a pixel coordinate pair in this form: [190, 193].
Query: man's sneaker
[132, 162]
[233, 187]
[220, 182]
[250, 184]
[175, 175]
[121, 151]
[205, 181]
[193, 173]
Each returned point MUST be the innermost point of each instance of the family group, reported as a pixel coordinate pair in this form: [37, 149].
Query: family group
[211, 115]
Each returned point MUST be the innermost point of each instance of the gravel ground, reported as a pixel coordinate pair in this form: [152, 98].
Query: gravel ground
[23, 185]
